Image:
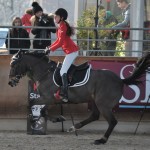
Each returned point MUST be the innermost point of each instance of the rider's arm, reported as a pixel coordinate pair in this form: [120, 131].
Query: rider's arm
[60, 38]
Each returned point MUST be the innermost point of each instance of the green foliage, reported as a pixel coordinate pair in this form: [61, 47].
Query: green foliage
[87, 20]
[120, 47]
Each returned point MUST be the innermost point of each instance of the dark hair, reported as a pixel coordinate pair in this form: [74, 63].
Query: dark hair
[14, 30]
[70, 30]
[36, 7]
[64, 15]
[16, 18]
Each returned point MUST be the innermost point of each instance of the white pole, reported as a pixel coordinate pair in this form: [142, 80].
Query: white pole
[137, 19]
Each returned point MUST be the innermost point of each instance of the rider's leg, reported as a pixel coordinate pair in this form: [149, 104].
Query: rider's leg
[65, 87]
[69, 59]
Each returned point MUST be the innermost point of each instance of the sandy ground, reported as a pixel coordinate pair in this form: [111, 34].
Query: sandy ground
[68, 141]
[13, 136]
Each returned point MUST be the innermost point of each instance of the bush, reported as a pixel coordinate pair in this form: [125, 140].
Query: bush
[87, 20]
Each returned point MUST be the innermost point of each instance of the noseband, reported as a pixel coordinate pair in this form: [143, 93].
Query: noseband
[14, 81]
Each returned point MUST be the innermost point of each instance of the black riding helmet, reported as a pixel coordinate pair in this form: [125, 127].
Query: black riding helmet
[62, 13]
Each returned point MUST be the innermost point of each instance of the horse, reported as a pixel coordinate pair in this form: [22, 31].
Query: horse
[103, 88]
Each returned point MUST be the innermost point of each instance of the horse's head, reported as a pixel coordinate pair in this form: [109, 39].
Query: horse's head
[17, 70]
[32, 63]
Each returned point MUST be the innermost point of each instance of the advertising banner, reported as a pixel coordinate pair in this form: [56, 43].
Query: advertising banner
[134, 96]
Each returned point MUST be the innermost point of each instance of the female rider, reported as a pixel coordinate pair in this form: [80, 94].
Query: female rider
[70, 49]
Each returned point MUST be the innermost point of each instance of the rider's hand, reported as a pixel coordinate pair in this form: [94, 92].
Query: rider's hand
[47, 51]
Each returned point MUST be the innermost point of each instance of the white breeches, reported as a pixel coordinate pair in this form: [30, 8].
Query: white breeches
[69, 59]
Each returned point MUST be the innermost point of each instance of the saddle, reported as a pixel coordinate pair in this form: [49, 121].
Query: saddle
[77, 75]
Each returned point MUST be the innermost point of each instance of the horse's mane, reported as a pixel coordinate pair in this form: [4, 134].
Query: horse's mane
[38, 54]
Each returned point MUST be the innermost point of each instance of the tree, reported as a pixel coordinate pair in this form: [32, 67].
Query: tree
[11, 8]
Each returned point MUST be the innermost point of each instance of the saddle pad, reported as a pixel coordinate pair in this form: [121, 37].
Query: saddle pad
[84, 81]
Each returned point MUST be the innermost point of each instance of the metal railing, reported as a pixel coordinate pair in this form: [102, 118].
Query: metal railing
[86, 42]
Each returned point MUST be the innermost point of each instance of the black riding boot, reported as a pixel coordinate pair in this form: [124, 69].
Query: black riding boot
[64, 89]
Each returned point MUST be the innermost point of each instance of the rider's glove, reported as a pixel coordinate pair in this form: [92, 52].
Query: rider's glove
[47, 51]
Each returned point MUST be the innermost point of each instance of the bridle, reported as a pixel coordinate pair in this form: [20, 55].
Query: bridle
[14, 81]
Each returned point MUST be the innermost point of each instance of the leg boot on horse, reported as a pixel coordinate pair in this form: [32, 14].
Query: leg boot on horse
[64, 89]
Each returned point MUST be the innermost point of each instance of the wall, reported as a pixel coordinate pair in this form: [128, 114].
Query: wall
[13, 101]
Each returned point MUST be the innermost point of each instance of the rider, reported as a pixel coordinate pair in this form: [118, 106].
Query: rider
[64, 32]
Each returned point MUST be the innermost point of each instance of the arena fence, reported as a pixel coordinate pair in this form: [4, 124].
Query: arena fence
[14, 101]
[101, 46]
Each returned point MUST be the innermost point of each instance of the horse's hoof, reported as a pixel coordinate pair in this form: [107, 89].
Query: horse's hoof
[72, 129]
[100, 141]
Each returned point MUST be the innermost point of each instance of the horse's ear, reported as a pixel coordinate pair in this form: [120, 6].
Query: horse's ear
[19, 54]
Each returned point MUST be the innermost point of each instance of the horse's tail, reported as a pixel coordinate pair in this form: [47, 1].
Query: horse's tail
[131, 80]
[142, 65]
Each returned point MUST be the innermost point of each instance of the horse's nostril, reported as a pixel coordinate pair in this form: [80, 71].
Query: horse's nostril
[13, 82]
[10, 83]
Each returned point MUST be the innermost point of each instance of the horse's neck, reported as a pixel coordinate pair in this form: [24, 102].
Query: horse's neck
[44, 69]
[38, 68]
[40, 72]
[46, 80]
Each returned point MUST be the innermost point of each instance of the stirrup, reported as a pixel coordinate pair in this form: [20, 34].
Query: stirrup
[65, 99]
[61, 97]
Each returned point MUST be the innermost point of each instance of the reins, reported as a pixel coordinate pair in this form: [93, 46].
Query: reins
[45, 72]
[39, 60]
[42, 77]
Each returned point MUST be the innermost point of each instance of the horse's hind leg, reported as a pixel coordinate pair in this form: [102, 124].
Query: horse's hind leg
[93, 117]
[108, 115]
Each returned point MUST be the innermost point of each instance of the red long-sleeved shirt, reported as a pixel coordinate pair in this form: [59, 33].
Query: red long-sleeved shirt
[63, 40]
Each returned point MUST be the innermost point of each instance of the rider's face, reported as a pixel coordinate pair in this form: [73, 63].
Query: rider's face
[57, 19]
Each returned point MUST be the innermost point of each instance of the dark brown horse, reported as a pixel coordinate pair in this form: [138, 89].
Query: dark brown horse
[104, 88]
